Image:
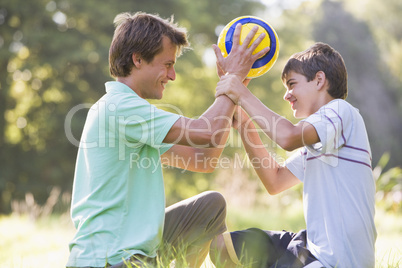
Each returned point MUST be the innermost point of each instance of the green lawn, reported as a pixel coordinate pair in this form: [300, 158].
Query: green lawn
[25, 243]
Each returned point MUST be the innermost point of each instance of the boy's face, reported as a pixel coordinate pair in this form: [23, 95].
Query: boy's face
[301, 95]
[156, 74]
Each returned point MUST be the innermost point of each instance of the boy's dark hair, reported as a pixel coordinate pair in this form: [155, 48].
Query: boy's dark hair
[141, 33]
[321, 57]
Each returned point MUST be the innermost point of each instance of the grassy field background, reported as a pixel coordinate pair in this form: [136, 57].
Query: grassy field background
[29, 243]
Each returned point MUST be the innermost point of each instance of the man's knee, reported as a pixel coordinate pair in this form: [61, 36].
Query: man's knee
[215, 199]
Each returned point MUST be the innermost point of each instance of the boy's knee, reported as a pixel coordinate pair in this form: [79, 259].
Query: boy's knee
[217, 250]
[217, 243]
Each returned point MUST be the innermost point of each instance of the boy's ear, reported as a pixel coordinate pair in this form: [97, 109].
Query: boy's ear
[320, 79]
[137, 61]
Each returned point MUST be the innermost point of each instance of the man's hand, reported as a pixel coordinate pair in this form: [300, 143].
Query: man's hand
[241, 58]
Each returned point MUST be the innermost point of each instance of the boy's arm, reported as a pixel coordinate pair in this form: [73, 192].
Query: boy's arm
[276, 178]
[279, 129]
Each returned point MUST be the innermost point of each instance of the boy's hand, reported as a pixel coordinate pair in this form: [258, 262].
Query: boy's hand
[241, 58]
[231, 86]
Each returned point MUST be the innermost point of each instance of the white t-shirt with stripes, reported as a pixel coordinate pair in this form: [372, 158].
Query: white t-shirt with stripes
[339, 188]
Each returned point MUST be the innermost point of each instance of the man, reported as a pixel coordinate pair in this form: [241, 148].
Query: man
[118, 204]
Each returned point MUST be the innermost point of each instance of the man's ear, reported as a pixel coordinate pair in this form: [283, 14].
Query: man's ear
[320, 79]
[137, 61]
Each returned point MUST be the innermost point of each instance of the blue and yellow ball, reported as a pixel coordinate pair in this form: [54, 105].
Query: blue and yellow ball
[264, 63]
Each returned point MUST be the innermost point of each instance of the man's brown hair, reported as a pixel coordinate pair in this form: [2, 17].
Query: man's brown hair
[321, 57]
[141, 33]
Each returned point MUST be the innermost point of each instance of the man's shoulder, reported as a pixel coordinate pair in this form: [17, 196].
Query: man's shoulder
[119, 91]
[121, 101]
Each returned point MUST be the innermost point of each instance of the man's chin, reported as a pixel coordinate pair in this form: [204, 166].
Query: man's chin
[158, 97]
[155, 97]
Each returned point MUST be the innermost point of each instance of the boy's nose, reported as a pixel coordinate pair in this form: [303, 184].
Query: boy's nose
[287, 95]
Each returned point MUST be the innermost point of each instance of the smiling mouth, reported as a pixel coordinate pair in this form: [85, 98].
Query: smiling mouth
[292, 104]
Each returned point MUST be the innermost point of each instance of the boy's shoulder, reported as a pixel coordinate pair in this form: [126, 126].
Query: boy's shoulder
[337, 107]
[338, 104]
[338, 115]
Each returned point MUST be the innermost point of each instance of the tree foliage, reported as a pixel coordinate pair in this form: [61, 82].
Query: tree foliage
[54, 57]
[372, 87]
[54, 62]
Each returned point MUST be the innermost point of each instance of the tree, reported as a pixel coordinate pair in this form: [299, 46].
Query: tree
[56, 57]
[370, 84]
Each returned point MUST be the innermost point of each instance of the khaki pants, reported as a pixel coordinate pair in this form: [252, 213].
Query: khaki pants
[193, 222]
[189, 224]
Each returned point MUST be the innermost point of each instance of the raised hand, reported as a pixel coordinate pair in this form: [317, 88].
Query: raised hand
[231, 86]
[241, 58]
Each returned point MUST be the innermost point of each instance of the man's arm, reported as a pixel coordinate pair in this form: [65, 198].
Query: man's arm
[276, 178]
[208, 130]
[200, 159]
[195, 159]
[279, 129]
[212, 128]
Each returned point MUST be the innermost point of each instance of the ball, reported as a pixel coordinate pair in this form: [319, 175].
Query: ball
[265, 62]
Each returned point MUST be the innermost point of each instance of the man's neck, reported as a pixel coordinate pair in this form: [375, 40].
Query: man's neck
[128, 81]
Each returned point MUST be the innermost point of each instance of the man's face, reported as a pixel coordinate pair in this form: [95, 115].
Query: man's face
[154, 75]
[300, 94]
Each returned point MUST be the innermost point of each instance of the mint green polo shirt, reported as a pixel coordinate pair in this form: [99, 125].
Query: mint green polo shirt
[118, 204]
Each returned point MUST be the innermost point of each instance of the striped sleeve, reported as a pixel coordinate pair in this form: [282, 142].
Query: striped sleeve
[330, 122]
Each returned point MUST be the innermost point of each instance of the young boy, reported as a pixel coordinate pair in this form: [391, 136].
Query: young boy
[333, 162]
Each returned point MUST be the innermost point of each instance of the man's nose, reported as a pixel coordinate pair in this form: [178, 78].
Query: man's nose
[172, 74]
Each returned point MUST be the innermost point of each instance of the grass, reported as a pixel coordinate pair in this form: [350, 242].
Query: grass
[29, 244]
[44, 242]
[389, 239]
